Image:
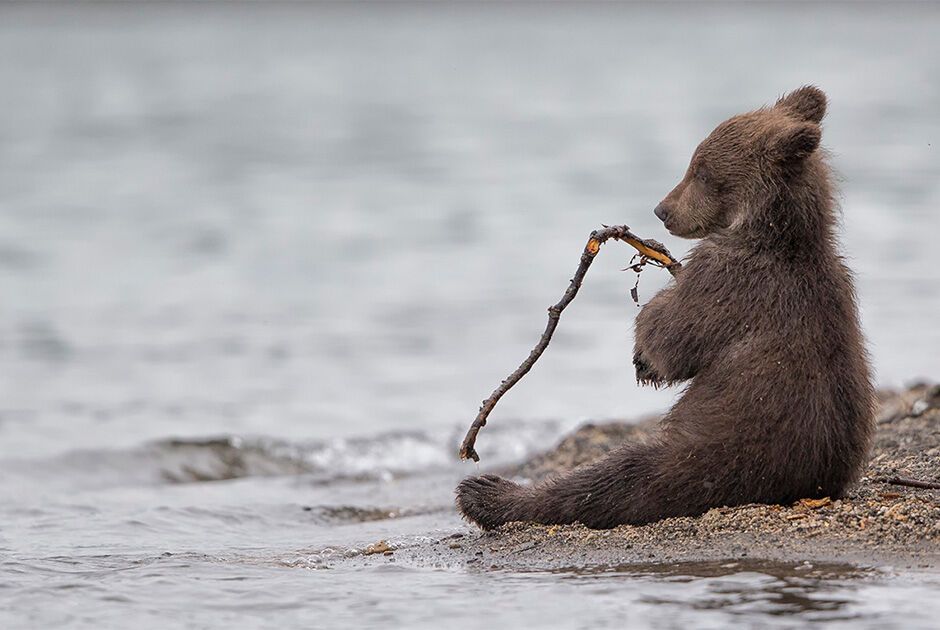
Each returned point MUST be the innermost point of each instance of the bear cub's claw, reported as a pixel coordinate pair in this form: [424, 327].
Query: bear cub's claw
[645, 374]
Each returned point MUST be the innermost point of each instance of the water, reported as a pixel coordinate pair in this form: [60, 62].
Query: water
[261, 263]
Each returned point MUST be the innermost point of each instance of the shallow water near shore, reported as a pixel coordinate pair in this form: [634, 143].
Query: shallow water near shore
[261, 263]
[165, 546]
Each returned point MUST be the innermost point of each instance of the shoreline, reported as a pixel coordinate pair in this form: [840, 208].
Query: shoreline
[875, 525]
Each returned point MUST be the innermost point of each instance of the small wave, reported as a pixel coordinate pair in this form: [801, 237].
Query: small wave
[221, 458]
[383, 456]
[232, 457]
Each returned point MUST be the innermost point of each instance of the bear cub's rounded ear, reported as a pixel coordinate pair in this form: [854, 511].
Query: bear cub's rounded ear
[807, 104]
[797, 141]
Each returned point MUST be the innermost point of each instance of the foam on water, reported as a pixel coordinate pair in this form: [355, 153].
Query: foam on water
[178, 461]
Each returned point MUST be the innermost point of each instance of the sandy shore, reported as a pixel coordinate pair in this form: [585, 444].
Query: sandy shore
[876, 524]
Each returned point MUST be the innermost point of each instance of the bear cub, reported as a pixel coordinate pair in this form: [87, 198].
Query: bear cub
[761, 324]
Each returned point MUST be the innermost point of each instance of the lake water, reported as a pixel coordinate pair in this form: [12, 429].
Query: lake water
[260, 263]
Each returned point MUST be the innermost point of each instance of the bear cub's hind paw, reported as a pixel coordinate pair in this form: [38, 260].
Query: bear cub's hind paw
[488, 501]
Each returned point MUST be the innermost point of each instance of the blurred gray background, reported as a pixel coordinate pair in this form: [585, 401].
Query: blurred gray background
[326, 220]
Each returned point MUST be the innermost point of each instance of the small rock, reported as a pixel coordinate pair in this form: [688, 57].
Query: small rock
[380, 547]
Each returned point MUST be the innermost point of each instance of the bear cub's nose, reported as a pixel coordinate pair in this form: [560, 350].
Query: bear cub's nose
[661, 212]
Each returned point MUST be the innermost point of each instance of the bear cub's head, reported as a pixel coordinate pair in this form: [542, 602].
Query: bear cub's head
[744, 160]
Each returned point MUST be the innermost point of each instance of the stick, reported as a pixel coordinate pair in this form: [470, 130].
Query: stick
[649, 250]
[910, 483]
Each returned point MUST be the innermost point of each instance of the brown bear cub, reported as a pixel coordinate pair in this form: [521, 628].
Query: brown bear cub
[761, 321]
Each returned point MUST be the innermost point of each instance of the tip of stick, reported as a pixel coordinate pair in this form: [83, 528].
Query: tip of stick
[468, 453]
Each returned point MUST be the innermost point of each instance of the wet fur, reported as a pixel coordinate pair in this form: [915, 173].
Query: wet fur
[762, 325]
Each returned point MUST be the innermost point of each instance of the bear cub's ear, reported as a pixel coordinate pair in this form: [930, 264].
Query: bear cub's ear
[797, 141]
[807, 104]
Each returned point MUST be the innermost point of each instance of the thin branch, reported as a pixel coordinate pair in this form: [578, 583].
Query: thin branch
[910, 483]
[649, 249]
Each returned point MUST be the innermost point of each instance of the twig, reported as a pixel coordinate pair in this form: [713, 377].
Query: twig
[910, 483]
[649, 250]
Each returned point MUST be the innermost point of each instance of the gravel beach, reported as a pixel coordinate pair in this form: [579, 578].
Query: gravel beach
[878, 523]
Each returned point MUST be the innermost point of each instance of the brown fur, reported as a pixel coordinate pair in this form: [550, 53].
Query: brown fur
[762, 319]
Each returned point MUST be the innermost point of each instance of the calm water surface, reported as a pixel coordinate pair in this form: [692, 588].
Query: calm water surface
[260, 264]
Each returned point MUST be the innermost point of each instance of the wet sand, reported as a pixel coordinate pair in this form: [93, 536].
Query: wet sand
[875, 524]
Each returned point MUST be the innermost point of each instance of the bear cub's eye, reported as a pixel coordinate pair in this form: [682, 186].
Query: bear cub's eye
[701, 175]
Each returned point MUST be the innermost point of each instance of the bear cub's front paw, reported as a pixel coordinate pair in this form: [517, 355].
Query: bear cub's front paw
[645, 374]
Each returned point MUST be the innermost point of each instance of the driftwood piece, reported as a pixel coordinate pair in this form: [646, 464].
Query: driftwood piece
[910, 483]
[649, 250]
